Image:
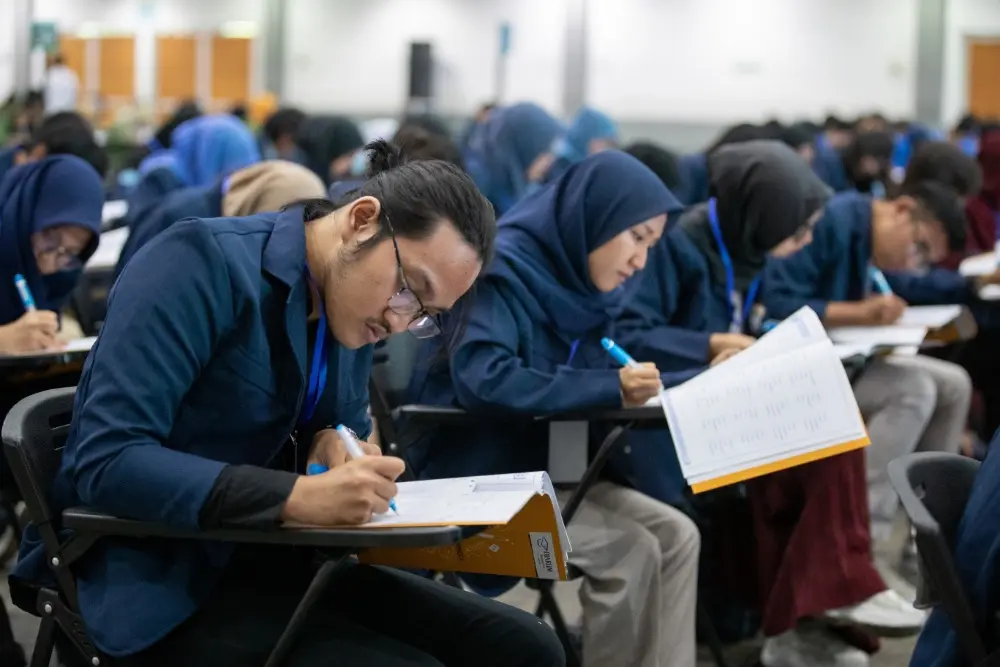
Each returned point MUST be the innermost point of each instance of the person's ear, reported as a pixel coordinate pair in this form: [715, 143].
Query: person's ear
[904, 205]
[363, 218]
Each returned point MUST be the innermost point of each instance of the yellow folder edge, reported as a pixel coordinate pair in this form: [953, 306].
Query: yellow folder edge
[775, 466]
[500, 549]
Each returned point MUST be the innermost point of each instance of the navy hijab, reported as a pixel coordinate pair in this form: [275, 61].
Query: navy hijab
[59, 190]
[544, 241]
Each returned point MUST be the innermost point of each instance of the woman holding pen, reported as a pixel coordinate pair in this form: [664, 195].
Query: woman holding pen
[568, 258]
[50, 218]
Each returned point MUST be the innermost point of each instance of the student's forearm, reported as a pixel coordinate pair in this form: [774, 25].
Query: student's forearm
[845, 314]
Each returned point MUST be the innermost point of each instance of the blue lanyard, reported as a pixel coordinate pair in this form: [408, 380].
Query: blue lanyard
[317, 372]
[574, 346]
[737, 314]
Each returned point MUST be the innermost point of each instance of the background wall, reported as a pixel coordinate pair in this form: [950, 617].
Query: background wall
[687, 65]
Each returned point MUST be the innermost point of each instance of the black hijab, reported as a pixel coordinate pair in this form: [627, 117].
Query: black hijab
[323, 139]
[765, 193]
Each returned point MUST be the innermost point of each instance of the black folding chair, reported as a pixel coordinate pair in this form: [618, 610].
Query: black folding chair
[418, 419]
[934, 488]
[34, 433]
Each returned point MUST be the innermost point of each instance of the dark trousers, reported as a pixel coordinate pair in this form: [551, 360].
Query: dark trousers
[369, 616]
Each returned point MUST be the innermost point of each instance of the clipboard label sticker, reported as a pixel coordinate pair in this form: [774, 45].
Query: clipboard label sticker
[545, 560]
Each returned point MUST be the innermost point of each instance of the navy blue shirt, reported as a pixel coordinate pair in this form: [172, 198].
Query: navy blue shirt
[182, 383]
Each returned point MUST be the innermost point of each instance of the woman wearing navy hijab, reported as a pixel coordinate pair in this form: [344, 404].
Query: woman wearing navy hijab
[511, 152]
[568, 258]
[590, 132]
[50, 218]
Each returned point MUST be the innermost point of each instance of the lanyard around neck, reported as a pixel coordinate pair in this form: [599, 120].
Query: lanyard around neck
[318, 367]
[739, 308]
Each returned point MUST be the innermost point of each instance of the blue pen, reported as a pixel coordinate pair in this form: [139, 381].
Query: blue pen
[22, 289]
[353, 450]
[618, 354]
[768, 325]
[881, 284]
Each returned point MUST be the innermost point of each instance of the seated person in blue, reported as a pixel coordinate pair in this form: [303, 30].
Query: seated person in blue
[329, 146]
[202, 150]
[260, 188]
[510, 152]
[568, 257]
[863, 164]
[194, 411]
[694, 166]
[591, 131]
[63, 133]
[976, 555]
[909, 402]
[50, 217]
[278, 135]
[813, 548]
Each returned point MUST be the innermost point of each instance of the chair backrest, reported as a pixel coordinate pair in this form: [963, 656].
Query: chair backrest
[33, 434]
[934, 488]
[392, 369]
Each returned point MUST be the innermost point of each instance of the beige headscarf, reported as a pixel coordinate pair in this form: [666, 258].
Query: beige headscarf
[267, 186]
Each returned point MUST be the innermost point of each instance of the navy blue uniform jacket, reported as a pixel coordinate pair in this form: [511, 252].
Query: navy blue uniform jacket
[201, 363]
[676, 309]
[204, 202]
[508, 364]
[835, 267]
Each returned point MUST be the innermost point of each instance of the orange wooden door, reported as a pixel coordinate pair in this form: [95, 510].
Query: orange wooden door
[176, 71]
[74, 53]
[231, 62]
[117, 71]
[984, 78]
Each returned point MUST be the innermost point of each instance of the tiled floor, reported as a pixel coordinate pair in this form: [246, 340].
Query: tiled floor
[895, 653]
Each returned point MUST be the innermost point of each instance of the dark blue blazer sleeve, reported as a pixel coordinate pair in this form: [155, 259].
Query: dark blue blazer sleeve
[488, 374]
[151, 350]
[796, 281]
[937, 286]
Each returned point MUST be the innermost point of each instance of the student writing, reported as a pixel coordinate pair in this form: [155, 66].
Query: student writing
[908, 403]
[50, 215]
[568, 257]
[812, 542]
[195, 409]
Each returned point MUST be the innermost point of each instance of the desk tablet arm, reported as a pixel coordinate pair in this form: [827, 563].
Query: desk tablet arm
[429, 415]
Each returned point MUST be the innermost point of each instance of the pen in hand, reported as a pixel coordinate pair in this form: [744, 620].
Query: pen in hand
[353, 450]
[618, 354]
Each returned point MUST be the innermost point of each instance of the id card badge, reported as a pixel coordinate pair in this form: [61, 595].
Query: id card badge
[736, 302]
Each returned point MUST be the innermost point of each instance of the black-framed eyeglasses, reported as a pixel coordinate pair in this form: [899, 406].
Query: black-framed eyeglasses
[405, 302]
[50, 243]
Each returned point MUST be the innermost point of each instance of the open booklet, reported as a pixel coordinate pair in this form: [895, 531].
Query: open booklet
[917, 324]
[524, 535]
[782, 402]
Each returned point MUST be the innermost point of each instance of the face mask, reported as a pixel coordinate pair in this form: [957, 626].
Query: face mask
[359, 164]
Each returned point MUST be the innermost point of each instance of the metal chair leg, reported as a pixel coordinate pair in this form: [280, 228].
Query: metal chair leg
[707, 630]
[313, 593]
[548, 601]
[45, 642]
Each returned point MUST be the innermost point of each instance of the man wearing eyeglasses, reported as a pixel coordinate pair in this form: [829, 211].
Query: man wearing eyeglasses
[909, 402]
[230, 348]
